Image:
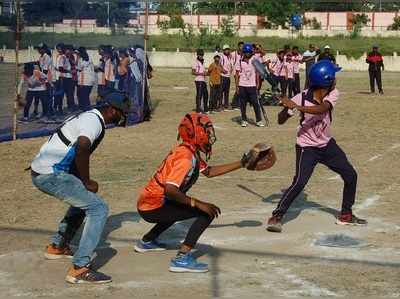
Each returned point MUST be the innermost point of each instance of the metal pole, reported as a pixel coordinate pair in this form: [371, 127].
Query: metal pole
[17, 41]
[108, 14]
[146, 37]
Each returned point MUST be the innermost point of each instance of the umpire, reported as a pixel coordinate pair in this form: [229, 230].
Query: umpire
[375, 61]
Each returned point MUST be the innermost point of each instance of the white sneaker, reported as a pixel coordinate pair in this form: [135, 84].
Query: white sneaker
[260, 124]
[244, 123]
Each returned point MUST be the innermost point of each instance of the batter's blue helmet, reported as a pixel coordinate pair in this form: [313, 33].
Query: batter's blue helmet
[247, 49]
[322, 74]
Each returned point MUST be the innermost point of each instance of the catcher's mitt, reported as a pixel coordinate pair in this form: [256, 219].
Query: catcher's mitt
[260, 157]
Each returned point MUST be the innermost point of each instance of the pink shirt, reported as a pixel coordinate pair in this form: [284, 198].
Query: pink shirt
[315, 129]
[236, 57]
[259, 57]
[227, 65]
[278, 67]
[296, 61]
[290, 69]
[198, 67]
[247, 73]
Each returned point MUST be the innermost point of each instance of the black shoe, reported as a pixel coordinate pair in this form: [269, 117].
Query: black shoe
[79, 275]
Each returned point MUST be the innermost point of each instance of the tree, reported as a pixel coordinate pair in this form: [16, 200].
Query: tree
[278, 12]
[33, 12]
[118, 16]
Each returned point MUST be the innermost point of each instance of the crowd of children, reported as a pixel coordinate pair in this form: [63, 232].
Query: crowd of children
[70, 73]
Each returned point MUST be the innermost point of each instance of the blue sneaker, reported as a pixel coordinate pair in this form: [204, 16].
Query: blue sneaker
[187, 263]
[142, 246]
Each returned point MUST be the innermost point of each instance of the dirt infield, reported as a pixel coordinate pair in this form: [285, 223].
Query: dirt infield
[245, 260]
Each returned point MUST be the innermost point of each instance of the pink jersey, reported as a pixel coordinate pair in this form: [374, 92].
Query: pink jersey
[259, 57]
[290, 69]
[198, 67]
[236, 57]
[227, 65]
[315, 129]
[296, 61]
[278, 67]
[247, 73]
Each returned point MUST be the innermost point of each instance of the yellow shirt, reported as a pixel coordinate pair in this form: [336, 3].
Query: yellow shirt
[215, 70]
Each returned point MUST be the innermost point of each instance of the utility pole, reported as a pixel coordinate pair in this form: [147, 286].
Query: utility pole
[108, 14]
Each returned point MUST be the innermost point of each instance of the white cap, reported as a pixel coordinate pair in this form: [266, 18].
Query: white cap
[327, 47]
[225, 47]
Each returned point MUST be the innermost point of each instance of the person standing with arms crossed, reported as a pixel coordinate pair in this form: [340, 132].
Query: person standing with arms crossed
[199, 70]
[315, 144]
[246, 85]
[375, 66]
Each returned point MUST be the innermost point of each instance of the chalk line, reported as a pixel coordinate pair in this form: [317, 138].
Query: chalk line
[373, 158]
[368, 202]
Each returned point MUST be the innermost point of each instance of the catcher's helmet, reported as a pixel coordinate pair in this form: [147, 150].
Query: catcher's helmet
[322, 74]
[197, 130]
[247, 48]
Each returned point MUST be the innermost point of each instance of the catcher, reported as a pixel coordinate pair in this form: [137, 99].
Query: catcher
[164, 201]
[315, 143]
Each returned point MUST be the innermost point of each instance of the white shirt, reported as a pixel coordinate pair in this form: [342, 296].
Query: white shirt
[86, 74]
[63, 61]
[45, 62]
[54, 156]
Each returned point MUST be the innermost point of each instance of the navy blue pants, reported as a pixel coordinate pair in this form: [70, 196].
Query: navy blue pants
[64, 86]
[307, 158]
[201, 96]
[30, 96]
[83, 94]
[249, 94]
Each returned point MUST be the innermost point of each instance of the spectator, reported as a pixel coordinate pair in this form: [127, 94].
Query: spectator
[227, 65]
[199, 71]
[36, 82]
[290, 68]
[309, 57]
[327, 55]
[86, 78]
[237, 56]
[214, 71]
[375, 61]
[297, 58]
[278, 70]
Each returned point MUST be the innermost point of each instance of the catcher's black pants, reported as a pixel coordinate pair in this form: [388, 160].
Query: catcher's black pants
[375, 76]
[249, 94]
[307, 158]
[201, 96]
[171, 212]
[225, 86]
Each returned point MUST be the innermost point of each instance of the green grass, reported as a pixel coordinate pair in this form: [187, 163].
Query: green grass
[351, 47]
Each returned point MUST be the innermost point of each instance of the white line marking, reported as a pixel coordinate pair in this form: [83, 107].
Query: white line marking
[394, 146]
[333, 178]
[373, 158]
[219, 128]
[368, 202]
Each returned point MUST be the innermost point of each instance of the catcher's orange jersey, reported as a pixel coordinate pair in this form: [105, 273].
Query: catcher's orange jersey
[180, 168]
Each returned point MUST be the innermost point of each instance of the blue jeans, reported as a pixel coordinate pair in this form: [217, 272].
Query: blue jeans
[71, 190]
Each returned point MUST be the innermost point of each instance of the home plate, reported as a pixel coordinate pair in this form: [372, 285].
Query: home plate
[180, 87]
[339, 240]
